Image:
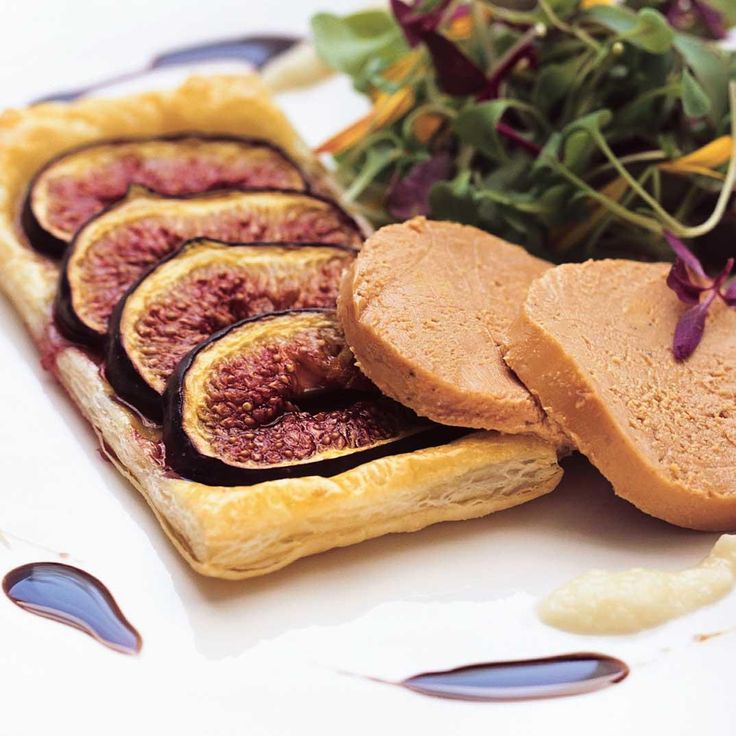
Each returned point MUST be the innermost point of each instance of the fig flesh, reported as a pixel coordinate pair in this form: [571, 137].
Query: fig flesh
[77, 185]
[115, 248]
[280, 396]
[200, 289]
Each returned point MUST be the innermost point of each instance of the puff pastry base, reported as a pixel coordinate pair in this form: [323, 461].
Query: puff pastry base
[244, 531]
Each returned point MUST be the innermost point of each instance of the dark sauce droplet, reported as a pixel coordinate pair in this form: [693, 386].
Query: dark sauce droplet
[71, 596]
[258, 50]
[550, 677]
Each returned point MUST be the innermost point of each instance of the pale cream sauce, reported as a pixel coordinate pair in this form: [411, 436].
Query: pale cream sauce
[600, 602]
[296, 68]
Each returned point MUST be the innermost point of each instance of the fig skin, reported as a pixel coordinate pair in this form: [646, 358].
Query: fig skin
[66, 319]
[73, 327]
[52, 246]
[120, 370]
[39, 239]
[186, 460]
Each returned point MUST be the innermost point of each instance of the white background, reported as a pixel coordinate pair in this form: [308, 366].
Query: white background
[262, 657]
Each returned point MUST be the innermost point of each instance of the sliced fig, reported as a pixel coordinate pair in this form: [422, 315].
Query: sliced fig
[280, 396]
[200, 289]
[114, 249]
[77, 185]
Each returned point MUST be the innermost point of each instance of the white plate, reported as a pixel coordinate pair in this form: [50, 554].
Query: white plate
[263, 656]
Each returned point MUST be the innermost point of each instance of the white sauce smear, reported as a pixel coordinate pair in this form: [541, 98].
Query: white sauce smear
[600, 602]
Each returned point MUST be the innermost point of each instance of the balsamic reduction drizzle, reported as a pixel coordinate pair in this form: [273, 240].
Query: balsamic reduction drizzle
[258, 50]
[71, 596]
[548, 677]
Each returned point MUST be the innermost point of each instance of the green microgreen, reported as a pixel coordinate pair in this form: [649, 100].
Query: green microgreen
[558, 124]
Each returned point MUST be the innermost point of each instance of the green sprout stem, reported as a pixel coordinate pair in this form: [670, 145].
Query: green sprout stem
[673, 88]
[687, 201]
[373, 166]
[634, 158]
[656, 183]
[657, 208]
[481, 32]
[465, 156]
[728, 184]
[599, 67]
[560, 24]
[608, 218]
[427, 109]
[354, 155]
[647, 223]
[533, 113]
[518, 17]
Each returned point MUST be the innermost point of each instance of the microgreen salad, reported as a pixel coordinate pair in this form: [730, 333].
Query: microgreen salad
[577, 128]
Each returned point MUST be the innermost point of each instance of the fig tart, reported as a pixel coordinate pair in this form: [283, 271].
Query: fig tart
[186, 245]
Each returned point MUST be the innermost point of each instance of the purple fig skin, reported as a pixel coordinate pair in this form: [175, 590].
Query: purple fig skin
[50, 245]
[184, 458]
[120, 371]
[73, 327]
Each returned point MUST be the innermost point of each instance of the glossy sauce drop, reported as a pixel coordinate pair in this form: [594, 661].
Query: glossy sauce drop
[71, 596]
[258, 50]
[550, 677]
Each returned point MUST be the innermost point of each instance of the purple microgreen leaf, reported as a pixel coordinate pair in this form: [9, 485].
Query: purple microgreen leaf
[514, 135]
[676, 16]
[457, 75]
[461, 11]
[434, 17]
[729, 296]
[409, 196]
[682, 13]
[690, 328]
[416, 23]
[684, 254]
[678, 279]
[405, 16]
[712, 19]
[679, 14]
[523, 49]
[723, 275]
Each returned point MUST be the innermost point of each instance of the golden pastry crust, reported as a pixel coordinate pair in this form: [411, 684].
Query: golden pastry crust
[243, 531]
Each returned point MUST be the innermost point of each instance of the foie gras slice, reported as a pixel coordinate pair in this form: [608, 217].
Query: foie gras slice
[425, 308]
[593, 342]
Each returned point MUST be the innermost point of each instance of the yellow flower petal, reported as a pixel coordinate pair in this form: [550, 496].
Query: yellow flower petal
[401, 67]
[711, 156]
[461, 28]
[426, 125]
[699, 170]
[585, 4]
[390, 107]
[387, 109]
[397, 72]
[347, 137]
[615, 189]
